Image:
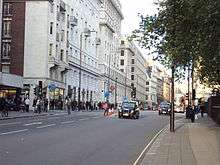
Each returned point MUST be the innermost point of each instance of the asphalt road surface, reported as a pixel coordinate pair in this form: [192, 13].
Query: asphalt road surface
[82, 138]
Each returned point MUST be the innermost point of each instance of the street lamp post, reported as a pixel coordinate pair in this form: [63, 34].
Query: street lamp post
[86, 33]
[172, 117]
[116, 81]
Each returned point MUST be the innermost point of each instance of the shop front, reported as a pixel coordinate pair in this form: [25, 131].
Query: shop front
[56, 96]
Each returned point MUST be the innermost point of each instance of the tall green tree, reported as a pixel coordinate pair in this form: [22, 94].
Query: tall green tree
[185, 32]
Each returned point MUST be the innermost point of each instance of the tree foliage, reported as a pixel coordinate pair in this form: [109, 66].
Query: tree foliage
[184, 32]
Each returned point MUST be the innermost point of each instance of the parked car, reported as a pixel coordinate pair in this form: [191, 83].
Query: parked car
[164, 108]
[129, 109]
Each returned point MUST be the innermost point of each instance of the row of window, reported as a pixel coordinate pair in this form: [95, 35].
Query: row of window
[122, 62]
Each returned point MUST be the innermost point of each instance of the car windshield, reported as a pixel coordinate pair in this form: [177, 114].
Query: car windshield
[164, 105]
[128, 105]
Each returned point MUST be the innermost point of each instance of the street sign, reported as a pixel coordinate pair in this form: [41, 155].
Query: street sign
[125, 99]
[52, 86]
[106, 94]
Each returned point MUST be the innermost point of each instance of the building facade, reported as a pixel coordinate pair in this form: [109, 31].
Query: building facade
[110, 33]
[11, 65]
[167, 88]
[151, 85]
[132, 63]
[84, 47]
[65, 47]
[1, 11]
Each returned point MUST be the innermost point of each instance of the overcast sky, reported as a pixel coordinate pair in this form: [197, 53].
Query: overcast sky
[130, 10]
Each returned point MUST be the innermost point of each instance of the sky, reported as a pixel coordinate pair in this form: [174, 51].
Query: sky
[130, 10]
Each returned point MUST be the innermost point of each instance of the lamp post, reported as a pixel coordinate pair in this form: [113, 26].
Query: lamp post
[86, 33]
[172, 117]
[116, 81]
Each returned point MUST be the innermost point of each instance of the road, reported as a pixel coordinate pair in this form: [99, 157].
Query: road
[82, 138]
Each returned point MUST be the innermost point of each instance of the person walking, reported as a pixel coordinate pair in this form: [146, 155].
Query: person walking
[38, 105]
[68, 105]
[105, 106]
[3, 107]
[27, 103]
[45, 105]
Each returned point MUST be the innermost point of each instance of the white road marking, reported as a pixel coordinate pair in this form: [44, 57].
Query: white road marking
[35, 123]
[53, 118]
[96, 117]
[83, 119]
[44, 126]
[59, 114]
[11, 132]
[147, 147]
[67, 122]
[10, 123]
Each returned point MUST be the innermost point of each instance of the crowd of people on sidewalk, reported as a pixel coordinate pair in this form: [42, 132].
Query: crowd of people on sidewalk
[42, 104]
[13, 103]
[70, 105]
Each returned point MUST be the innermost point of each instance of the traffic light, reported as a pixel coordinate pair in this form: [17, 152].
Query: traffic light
[133, 92]
[187, 95]
[36, 91]
[193, 94]
[40, 84]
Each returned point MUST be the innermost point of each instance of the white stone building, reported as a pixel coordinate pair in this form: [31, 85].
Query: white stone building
[46, 46]
[132, 63]
[110, 32]
[53, 54]
[1, 4]
[85, 15]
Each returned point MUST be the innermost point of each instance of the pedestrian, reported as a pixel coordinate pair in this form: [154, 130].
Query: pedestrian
[27, 103]
[67, 105]
[3, 106]
[45, 104]
[192, 114]
[38, 105]
[34, 104]
[105, 106]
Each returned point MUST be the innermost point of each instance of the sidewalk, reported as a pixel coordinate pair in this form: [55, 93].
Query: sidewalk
[16, 114]
[192, 144]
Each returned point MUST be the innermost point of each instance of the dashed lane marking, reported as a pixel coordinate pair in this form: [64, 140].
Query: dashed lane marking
[35, 123]
[67, 122]
[4, 124]
[45, 126]
[83, 119]
[53, 118]
[11, 132]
